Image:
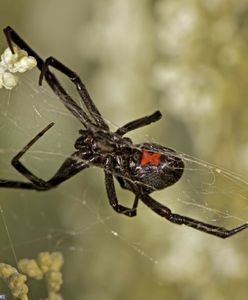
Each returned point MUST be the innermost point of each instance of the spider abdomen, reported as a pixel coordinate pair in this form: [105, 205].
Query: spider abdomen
[158, 167]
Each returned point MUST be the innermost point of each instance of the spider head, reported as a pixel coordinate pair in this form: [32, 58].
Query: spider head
[83, 140]
[157, 167]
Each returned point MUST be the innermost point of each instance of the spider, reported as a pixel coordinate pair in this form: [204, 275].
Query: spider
[139, 168]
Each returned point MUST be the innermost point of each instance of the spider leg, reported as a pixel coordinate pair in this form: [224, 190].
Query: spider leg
[166, 213]
[69, 168]
[70, 104]
[139, 123]
[113, 201]
[92, 109]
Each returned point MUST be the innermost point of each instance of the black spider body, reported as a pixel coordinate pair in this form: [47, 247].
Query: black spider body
[126, 160]
[139, 168]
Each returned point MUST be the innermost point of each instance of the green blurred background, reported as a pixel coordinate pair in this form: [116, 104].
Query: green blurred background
[189, 59]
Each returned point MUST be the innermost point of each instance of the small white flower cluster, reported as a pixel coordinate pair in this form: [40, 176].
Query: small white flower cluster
[15, 281]
[47, 266]
[10, 63]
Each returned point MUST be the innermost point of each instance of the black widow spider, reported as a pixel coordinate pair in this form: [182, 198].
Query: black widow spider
[139, 168]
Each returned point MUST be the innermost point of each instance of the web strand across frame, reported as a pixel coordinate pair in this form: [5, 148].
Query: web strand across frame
[81, 217]
[170, 164]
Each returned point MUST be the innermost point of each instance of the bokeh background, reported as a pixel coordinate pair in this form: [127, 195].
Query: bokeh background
[189, 60]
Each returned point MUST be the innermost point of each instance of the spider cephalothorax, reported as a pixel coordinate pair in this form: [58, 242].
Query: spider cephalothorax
[141, 168]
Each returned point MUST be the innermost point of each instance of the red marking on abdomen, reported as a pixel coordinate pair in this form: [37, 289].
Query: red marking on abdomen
[150, 158]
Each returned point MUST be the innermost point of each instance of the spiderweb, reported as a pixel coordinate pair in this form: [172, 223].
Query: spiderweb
[75, 218]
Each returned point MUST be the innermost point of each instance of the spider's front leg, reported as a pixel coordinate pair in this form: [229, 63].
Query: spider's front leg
[50, 78]
[113, 201]
[69, 168]
[144, 121]
[81, 88]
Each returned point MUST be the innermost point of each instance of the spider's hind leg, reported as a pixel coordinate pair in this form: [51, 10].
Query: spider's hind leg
[166, 213]
[113, 201]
